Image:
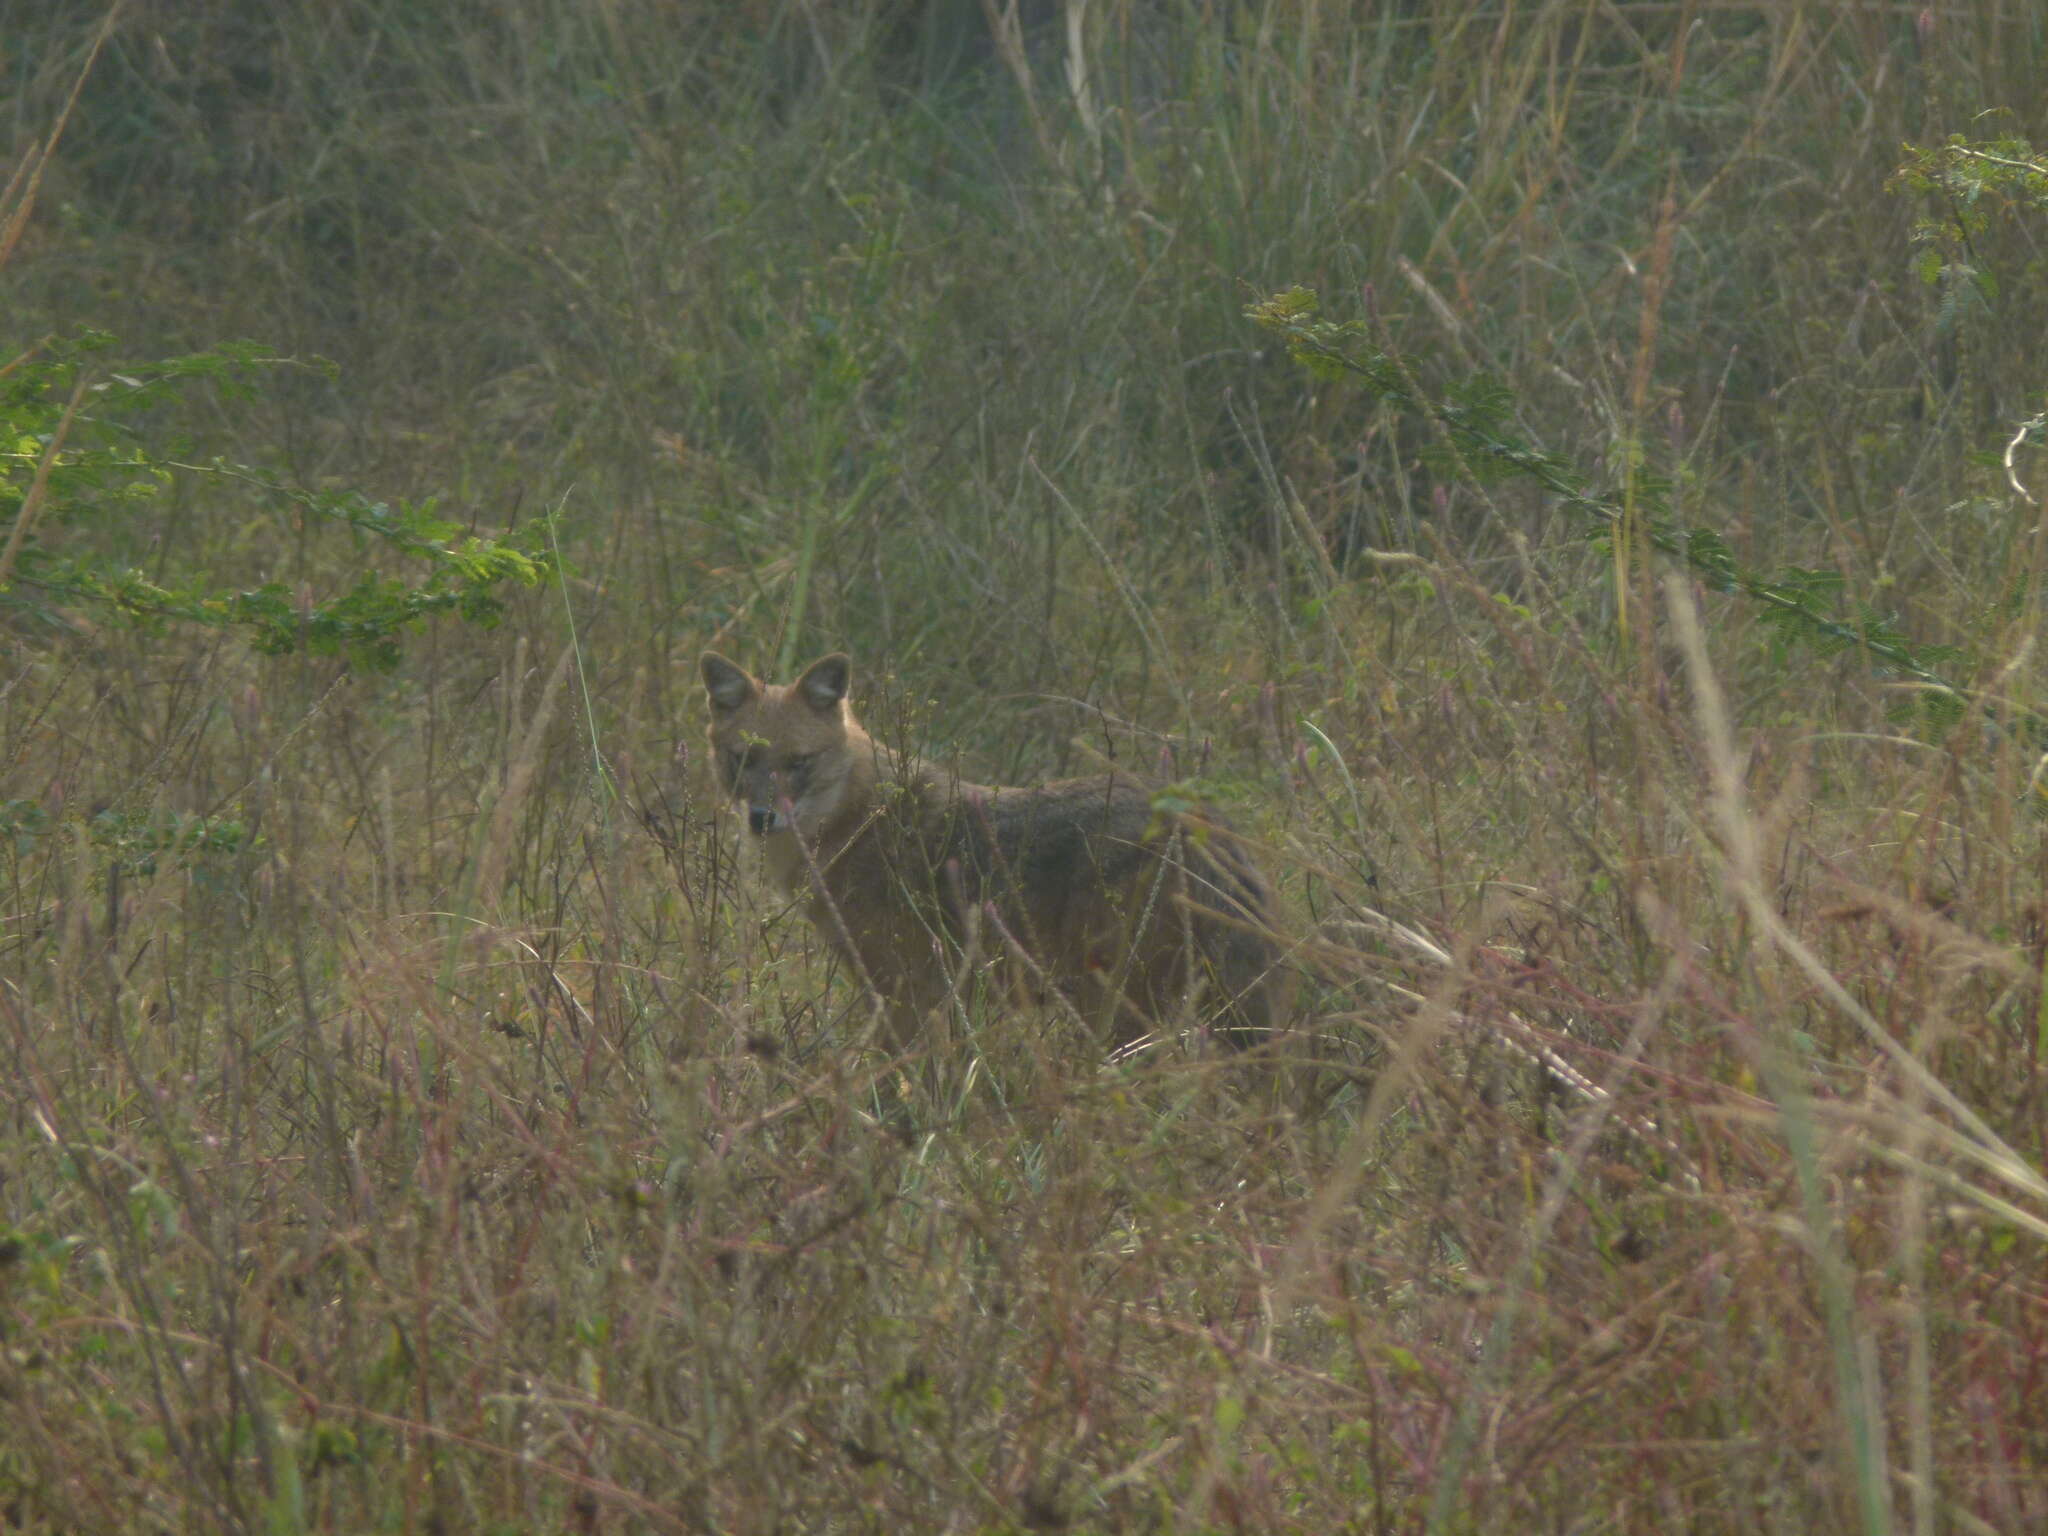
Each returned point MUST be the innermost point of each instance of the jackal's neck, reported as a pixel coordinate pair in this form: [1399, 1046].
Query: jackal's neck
[867, 768]
[883, 787]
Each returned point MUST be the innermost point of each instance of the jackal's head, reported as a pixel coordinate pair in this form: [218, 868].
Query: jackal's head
[788, 754]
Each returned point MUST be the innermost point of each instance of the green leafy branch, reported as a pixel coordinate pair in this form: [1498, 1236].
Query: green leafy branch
[1481, 441]
[74, 460]
[1971, 185]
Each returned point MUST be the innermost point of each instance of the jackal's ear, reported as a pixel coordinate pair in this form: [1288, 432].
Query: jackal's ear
[725, 684]
[825, 684]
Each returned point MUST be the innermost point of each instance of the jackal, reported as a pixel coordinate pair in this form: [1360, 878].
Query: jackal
[1130, 911]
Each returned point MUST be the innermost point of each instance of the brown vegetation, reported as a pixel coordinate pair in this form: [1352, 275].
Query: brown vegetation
[412, 1123]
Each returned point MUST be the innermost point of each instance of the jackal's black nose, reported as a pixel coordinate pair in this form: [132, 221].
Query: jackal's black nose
[760, 819]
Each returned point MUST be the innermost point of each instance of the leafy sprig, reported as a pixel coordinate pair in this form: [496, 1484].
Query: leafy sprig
[76, 452]
[1480, 440]
[1969, 186]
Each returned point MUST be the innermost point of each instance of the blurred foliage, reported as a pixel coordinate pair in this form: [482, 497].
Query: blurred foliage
[1481, 443]
[403, 1139]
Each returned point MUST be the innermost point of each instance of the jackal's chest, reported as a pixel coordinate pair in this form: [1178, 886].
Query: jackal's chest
[783, 862]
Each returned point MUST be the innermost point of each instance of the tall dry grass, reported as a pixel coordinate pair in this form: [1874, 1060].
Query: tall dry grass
[468, 1145]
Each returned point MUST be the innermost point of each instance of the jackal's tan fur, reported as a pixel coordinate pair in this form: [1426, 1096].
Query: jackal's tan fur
[917, 876]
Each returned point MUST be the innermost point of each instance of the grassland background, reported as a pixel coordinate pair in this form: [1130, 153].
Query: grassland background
[453, 1147]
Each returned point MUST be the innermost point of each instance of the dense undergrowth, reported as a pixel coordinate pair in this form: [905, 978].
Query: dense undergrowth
[1614, 610]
